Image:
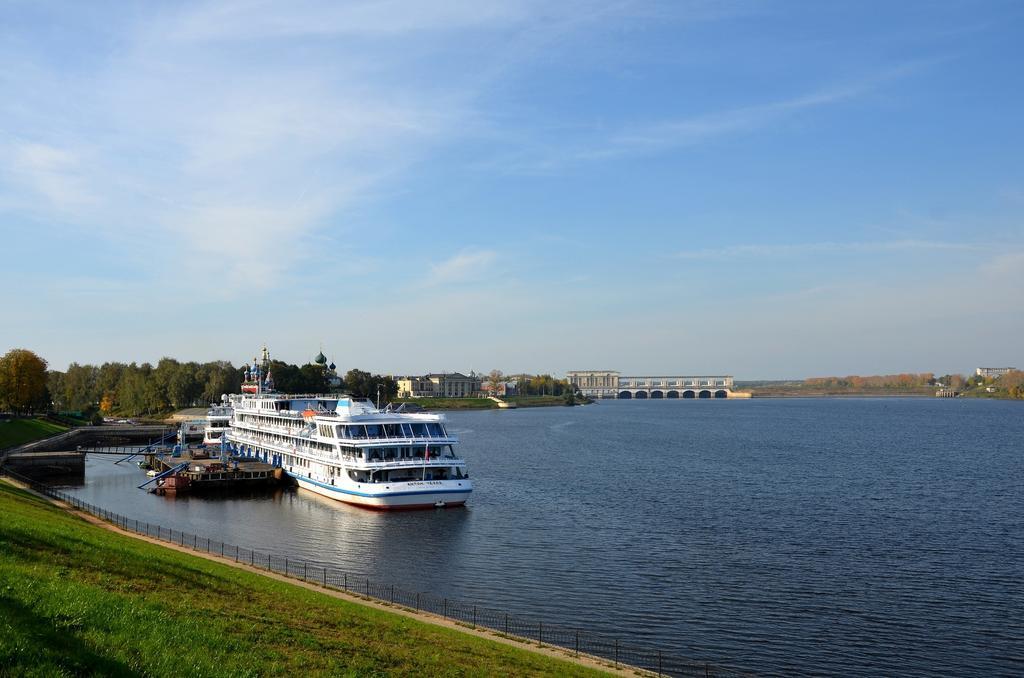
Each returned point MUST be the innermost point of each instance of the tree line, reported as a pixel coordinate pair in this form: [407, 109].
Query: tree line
[528, 384]
[905, 381]
[131, 389]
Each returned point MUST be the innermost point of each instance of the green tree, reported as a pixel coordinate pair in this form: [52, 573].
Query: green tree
[364, 385]
[55, 385]
[313, 379]
[80, 391]
[23, 382]
[131, 391]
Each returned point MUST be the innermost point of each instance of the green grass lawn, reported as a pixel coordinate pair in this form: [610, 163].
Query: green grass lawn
[452, 403]
[484, 403]
[18, 431]
[76, 599]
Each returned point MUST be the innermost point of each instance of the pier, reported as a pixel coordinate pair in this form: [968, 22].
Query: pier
[193, 470]
[63, 455]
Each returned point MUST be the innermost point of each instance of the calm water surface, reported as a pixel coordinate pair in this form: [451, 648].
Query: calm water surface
[826, 537]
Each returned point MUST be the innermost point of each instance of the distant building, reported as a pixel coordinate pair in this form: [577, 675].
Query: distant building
[330, 371]
[595, 383]
[439, 385]
[610, 384]
[502, 388]
[993, 372]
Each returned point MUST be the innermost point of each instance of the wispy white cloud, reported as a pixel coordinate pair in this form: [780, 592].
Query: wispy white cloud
[55, 174]
[671, 134]
[469, 264]
[802, 249]
[255, 19]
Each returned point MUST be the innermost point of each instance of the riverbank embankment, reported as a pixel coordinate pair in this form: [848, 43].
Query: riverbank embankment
[488, 404]
[118, 603]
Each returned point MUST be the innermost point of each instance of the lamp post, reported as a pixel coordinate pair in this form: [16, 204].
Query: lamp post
[378, 395]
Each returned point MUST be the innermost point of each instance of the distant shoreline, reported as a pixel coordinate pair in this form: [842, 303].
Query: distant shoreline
[841, 395]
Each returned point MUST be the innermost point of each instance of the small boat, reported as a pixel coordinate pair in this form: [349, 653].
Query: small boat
[172, 484]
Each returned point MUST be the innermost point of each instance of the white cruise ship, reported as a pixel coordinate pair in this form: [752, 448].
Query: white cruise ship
[351, 451]
[218, 419]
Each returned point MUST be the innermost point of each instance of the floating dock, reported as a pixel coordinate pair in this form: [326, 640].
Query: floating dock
[193, 470]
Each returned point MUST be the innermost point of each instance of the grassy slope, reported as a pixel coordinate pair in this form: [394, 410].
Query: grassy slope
[18, 431]
[451, 403]
[483, 403]
[76, 599]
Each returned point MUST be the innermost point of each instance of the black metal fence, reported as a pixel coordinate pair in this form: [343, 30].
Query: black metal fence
[577, 641]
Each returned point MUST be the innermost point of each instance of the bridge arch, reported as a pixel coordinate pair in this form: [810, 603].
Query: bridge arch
[721, 394]
[625, 395]
[640, 395]
[689, 394]
[672, 394]
[704, 394]
[657, 394]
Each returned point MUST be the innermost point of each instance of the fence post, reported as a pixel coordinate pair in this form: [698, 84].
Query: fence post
[325, 576]
[195, 542]
[659, 662]
[506, 623]
[616, 653]
[707, 670]
[445, 608]
[304, 577]
[367, 587]
[474, 616]
[392, 594]
[222, 549]
[577, 642]
[346, 581]
[286, 565]
[236, 553]
[540, 634]
[417, 601]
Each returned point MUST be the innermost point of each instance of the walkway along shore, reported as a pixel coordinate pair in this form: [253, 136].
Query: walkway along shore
[376, 596]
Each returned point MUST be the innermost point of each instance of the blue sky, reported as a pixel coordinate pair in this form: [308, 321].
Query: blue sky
[766, 189]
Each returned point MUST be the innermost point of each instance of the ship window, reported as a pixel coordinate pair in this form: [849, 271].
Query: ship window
[436, 430]
[407, 430]
[419, 430]
[372, 431]
[356, 431]
[392, 430]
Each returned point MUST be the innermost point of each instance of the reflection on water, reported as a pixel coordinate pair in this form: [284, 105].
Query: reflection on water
[292, 522]
[833, 537]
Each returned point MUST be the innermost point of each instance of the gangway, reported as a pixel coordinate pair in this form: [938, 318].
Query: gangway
[130, 450]
[168, 472]
[148, 448]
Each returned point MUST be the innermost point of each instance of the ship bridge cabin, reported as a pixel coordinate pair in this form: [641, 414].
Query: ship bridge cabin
[384, 442]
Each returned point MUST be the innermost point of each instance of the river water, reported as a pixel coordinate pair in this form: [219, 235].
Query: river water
[848, 537]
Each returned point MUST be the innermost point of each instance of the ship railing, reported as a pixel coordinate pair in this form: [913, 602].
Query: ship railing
[408, 461]
[450, 440]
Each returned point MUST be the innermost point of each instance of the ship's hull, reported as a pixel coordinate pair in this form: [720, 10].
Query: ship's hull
[412, 495]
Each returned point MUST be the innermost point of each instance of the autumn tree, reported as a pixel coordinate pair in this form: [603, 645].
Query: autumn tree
[494, 381]
[23, 382]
